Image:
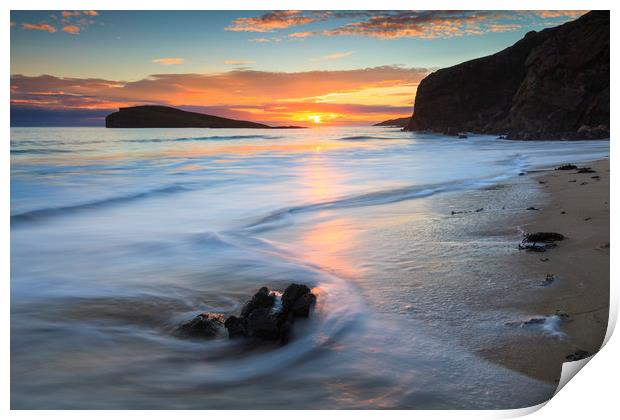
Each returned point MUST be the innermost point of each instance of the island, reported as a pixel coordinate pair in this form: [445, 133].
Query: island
[396, 122]
[157, 116]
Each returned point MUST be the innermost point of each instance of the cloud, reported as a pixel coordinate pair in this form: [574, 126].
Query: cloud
[90, 12]
[69, 14]
[424, 24]
[301, 34]
[263, 40]
[168, 61]
[269, 21]
[331, 57]
[266, 96]
[71, 29]
[39, 27]
[548, 14]
[238, 62]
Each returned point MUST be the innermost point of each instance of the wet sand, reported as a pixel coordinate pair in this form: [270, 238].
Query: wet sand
[577, 206]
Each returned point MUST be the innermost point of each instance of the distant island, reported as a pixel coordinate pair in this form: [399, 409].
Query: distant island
[156, 116]
[396, 122]
[552, 84]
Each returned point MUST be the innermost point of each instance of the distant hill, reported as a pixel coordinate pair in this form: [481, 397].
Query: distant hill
[396, 122]
[552, 84]
[155, 116]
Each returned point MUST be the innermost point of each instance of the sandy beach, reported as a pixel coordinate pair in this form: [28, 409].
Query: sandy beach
[577, 206]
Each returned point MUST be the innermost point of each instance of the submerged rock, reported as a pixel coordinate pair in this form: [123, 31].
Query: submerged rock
[261, 317]
[578, 355]
[205, 325]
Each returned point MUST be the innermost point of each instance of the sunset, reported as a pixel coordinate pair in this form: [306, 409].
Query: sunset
[288, 210]
[347, 67]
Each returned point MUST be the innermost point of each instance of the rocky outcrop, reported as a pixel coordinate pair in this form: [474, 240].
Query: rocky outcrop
[396, 122]
[552, 84]
[155, 116]
[268, 316]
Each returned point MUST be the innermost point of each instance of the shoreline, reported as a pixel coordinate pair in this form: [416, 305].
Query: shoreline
[577, 292]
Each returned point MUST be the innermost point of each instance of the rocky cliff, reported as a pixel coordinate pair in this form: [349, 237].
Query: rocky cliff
[551, 84]
[154, 116]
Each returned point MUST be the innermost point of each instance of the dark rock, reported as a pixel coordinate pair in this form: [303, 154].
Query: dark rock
[578, 355]
[521, 173]
[573, 180]
[567, 167]
[535, 247]
[292, 293]
[262, 299]
[303, 304]
[541, 182]
[597, 177]
[479, 210]
[236, 327]
[544, 259]
[585, 171]
[396, 122]
[205, 325]
[462, 136]
[587, 218]
[584, 183]
[262, 319]
[263, 323]
[563, 212]
[552, 84]
[534, 321]
[532, 208]
[545, 237]
[549, 279]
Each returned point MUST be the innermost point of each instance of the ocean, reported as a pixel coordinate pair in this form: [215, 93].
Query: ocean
[119, 235]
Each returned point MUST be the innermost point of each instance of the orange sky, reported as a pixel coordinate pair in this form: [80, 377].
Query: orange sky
[335, 97]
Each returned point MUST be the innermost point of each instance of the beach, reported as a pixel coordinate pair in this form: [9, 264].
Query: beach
[577, 206]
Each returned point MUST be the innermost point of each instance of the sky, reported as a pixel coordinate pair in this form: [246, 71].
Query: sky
[71, 68]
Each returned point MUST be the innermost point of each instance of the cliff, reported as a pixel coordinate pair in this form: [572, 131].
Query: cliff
[154, 116]
[396, 122]
[552, 84]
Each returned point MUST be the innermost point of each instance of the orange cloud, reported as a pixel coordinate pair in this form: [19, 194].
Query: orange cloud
[301, 34]
[335, 56]
[168, 61]
[238, 62]
[90, 12]
[39, 27]
[69, 14]
[547, 14]
[71, 29]
[268, 22]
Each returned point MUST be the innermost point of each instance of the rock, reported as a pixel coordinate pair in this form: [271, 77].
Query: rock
[573, 180]
[532, 208]
[544, 259]
[263, 323]
[303, 304]
[552, 84]
[597, 177]
[462, 136]
[262, 319]
[550, 278]
[563, 212]
[545, 237]
[236, 327]
[479, 210]
[585, 171]
[292, 293]
[567, 167]
[578, 355]
[262, 299]
[204, 325]
[396, 122]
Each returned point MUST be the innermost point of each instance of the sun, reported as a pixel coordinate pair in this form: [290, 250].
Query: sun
[315, 119]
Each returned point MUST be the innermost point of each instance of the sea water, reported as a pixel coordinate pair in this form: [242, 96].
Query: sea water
[119, 235]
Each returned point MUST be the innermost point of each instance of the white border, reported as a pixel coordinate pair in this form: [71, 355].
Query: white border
[591, 395]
